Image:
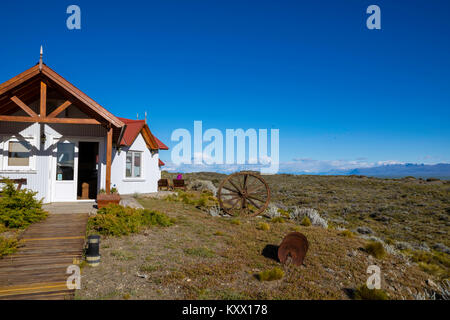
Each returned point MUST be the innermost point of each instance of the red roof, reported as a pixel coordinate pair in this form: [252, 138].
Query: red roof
[134, 127]
[132, 130]
[161, 145]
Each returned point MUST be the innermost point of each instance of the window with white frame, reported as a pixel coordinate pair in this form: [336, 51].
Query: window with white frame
[133, 164]
[18, 154]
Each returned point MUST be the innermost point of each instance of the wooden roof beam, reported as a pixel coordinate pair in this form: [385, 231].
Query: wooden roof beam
[43, 100]
[24, 107]
[48, 120]
[60, 109]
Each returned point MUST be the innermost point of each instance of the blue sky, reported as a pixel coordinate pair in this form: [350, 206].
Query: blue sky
[338, 92]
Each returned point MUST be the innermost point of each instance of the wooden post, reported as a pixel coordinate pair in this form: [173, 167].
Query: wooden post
[43, 112]
[108, 159]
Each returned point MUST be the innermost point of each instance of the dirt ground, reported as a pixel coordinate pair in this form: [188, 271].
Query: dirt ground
[205, 257]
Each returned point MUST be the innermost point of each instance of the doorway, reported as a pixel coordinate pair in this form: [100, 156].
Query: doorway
[87, 170]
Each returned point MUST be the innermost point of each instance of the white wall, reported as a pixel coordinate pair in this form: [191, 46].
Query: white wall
[150, 170]
[39, 178]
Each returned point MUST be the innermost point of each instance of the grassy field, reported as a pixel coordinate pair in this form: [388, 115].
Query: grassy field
[205, 257]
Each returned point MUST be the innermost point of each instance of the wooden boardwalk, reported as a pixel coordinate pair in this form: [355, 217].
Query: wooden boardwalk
[38, 269]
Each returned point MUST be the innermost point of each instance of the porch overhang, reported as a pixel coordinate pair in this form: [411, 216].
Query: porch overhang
[17, 93]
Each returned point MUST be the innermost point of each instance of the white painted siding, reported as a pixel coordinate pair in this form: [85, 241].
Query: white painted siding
[150, 170]
[40, 178]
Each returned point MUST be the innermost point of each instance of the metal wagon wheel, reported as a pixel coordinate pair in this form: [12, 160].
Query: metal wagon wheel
[244, 193]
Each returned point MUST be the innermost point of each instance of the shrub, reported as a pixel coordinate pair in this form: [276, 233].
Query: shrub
[19, 208]
[218, 233]
[263, 226]
[117, 220]
[375, 249]
[148, 268]
[200, 252]
[435, 263]
[283, 213]
[277, 220]
[270, 275]
[305, 222]
[7, 246]
[316, 220]
[201, 202]
[364, 293]
[347, 234]
[235, 221]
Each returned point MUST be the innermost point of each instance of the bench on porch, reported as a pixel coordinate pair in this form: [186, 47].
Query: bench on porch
[19, 182]
[179, 184]
[163, 183]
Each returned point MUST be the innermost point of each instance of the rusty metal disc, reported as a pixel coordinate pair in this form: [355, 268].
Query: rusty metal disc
[293, 249]
[244, 192]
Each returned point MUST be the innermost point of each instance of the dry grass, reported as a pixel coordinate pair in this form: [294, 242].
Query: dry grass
[204, 257]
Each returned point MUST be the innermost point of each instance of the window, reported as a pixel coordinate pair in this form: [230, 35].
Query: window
[133, 165]
[18, 154]
[65, 161]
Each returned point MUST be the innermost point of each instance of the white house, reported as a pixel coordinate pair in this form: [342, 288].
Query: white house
[58, 139]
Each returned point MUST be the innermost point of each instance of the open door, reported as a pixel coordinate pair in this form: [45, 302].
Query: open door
[87, 170]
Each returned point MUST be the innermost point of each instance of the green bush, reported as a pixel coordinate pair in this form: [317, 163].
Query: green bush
[19, 209]
[263, 226]
[7, 246]
[117, 220]
[235, 221]
[435, 263]
[364, 293]
[375, 249]
[306, 222]
[347, 234]
[277, 220]
[200, 252]
[270, 275]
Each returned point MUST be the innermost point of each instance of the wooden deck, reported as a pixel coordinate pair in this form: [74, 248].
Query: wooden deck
[38, 269]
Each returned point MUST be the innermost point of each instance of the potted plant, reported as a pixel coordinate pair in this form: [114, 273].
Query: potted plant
[104, 199]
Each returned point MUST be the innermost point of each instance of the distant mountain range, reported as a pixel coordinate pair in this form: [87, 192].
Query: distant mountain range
[440, 170]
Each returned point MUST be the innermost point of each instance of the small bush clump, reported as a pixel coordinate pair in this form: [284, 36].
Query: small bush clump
[200, 252]
[270, 275]
[375, 249]
[435, 263]
[364, 293]
[277, 220]
[235, 221]
[313, 215]
[117, 220]
[347, 234]
[263, 226]
[7, 246]
[19, 208]
[306, 222]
